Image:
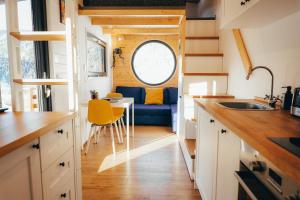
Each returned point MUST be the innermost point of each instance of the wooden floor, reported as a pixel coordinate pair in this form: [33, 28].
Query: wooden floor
[154, 169]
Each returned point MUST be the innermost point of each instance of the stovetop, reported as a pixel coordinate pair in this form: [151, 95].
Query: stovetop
[291, 144]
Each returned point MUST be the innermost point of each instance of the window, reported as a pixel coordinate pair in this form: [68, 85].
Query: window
[4, 71]
[26, 47]
[154, 62]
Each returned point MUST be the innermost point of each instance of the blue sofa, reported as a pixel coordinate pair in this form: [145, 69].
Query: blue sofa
[162, 115]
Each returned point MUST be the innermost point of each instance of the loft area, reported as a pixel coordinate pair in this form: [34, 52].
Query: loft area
[137, 3]
[195, 9]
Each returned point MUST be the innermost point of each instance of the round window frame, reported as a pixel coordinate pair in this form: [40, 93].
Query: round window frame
[160, 42]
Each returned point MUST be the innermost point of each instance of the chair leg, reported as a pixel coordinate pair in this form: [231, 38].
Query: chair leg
[104, 130]
[120, 130]
[89, 139]
[98, 134]
[117, 131]
[112, 139]
[122, 122]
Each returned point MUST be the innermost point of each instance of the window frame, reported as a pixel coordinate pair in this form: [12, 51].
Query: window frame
[160, 42]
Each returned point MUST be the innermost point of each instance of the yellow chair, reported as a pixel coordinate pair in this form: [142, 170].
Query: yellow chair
[100, 114]
[118, 112]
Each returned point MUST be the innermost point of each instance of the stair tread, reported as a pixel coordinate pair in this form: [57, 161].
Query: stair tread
[191, 147]
[202, 38]
[207, 74]
[205, 54]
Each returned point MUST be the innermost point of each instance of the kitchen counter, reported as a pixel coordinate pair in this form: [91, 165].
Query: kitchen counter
[255, 126]
[19, 128]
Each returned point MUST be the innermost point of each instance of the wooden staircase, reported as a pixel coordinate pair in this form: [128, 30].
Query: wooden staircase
[203, 77]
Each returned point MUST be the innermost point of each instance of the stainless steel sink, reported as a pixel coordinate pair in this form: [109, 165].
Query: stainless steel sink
[245, 106]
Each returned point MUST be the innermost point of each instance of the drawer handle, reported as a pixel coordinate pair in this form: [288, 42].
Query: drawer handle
[212, 121]
[36, 146]
[223, 131]
[64, 195]
[61, 131]
[243, 3]
[62, 164]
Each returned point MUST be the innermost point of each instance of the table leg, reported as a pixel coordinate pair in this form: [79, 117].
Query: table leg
[127, 127]
[132, 123]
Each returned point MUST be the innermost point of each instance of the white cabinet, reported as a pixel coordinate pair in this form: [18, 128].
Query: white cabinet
[206, 155]
[217, 158]
[228, 162]
[44, 169]
[254, 13]
[20, 174]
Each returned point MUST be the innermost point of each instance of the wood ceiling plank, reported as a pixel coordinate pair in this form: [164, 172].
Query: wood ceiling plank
[141, 31]
[131, 11]
[127, 21]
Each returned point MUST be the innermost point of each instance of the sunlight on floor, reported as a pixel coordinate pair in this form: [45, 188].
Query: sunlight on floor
[122, 157]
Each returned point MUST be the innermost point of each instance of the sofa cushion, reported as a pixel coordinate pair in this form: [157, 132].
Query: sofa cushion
[173, 95]
[154, 96]
[166, 96]
[159, 110]
[135, 92]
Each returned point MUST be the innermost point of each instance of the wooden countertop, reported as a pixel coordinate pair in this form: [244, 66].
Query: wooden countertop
[255, 126]
[19, 128]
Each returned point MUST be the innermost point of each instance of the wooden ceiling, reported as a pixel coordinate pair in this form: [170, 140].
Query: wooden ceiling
[149, 21]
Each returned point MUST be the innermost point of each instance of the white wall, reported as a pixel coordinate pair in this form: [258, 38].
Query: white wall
[57, 56]
[276, 46]
[101, 84]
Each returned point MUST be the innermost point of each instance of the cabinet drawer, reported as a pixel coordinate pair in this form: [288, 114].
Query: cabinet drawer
[55, 143]
[62, 169]
[62, 190]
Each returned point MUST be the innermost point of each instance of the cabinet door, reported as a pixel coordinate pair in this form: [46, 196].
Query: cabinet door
[206, 156]
[63, 190]
[56, 143]
[20, 174]
[228, 163]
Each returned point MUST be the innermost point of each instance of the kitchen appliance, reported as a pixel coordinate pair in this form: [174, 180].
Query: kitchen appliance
[259, 179]
[288, 98]
[295, 110]
[292, 144]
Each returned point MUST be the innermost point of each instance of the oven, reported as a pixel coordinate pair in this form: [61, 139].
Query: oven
[259, 179]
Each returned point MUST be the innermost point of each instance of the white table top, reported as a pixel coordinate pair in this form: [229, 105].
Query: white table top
[124, 102]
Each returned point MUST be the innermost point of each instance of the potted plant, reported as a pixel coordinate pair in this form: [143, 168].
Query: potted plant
[94, 94]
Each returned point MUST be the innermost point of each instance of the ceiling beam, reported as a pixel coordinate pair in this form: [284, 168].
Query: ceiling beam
[127, 21]
[131, 11]
[141, 31]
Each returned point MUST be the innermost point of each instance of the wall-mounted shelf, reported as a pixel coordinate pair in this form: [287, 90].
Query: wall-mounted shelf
[41, 81]
[39, 35]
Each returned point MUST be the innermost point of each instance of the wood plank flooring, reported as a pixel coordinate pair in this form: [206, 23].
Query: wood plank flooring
[156, 169]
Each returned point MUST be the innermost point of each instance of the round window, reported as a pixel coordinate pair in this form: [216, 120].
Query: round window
[154, 62]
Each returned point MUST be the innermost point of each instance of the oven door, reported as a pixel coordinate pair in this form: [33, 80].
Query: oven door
[250, 188]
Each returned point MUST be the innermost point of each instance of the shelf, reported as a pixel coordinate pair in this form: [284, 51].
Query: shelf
[206, 74]
[216, 96]
[39, 35]
[41, 81]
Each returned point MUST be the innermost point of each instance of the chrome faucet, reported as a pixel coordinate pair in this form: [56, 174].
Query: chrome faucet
[272, 100]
